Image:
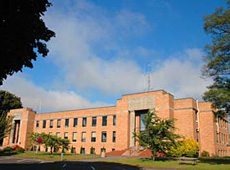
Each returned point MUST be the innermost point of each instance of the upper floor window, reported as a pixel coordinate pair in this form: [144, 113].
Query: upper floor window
[93, 137]
[44, 124]
[84, 122]
[37, 123]
[66, 135]
[114, 120]
[66, 123]
[75, 122]
[58, 123]
[94, 121]
[51, 123]
[103, 136]
[104, 120]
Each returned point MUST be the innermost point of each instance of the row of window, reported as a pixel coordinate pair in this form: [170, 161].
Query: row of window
[93, 136]
[222, 122]
[222, 152]
[75, 122]
[221, 138]
[92, 150]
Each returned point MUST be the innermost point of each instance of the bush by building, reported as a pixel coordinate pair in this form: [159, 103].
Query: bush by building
[205, 154]
[187, 147]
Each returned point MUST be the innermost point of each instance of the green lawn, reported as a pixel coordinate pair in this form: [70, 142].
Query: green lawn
[203, 164]
[53, 157]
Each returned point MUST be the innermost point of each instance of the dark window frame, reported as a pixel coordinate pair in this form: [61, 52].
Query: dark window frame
[44, 124]
[84, 121]
[75, 121]
[58, 126]
[103, 139]
[66, 123]
[94, 121]
[104, 120]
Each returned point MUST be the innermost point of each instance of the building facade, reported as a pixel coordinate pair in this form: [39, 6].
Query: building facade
[112, 127]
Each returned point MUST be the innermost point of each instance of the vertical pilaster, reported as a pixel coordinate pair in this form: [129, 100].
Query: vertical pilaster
[132, 128]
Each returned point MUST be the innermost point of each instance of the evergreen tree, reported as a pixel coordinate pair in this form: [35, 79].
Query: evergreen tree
[158, 134]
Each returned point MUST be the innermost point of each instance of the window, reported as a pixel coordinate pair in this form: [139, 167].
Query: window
[142, 122]
[94, 121]
[66, 135]
[217, 137]
[83, 137]
[58, 134]
[37, 124]
[103, 136]
[114, 120]
[103, 150]
[92, 150]
[84, 122]
[104, 120]
[58, 123]
[75, 122]
[51, 123]
[66, 123]
[113, 149]
[93, 137]
[82, 150]
[44, 124]
[74, 137]
[114, 136]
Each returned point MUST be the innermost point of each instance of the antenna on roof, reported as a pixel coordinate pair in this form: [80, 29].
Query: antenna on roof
[149, 70]
[40, 105]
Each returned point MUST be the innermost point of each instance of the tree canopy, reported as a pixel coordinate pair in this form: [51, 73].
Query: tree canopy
[217, 60]
[48, 140]
[158, 134]
[23, 34]
[8, 101]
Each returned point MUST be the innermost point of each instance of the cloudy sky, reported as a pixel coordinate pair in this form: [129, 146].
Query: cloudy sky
[106, 48]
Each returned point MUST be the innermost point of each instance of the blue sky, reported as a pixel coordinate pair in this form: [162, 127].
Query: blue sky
[102, 50]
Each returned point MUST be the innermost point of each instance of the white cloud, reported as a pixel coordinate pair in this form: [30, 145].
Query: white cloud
[181, 75]
[86, 28]
[32, 95]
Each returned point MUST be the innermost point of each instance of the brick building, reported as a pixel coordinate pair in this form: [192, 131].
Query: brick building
[112, 127]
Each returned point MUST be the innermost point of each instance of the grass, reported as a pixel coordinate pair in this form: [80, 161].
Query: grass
[53, 157]
[203, 164]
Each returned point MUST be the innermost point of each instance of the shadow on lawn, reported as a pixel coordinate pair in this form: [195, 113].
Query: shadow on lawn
[214, 161]
[69, 165]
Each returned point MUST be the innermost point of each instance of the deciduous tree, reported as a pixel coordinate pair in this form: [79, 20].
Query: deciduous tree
[23, 34]
[217, 66]
[8, 101]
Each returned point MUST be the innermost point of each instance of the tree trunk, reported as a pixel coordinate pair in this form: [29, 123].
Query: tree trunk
[153, 155]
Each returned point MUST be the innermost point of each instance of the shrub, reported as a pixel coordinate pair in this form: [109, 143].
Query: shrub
[205, 154]
[20, 150]
[188, 147]
[7, 149]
